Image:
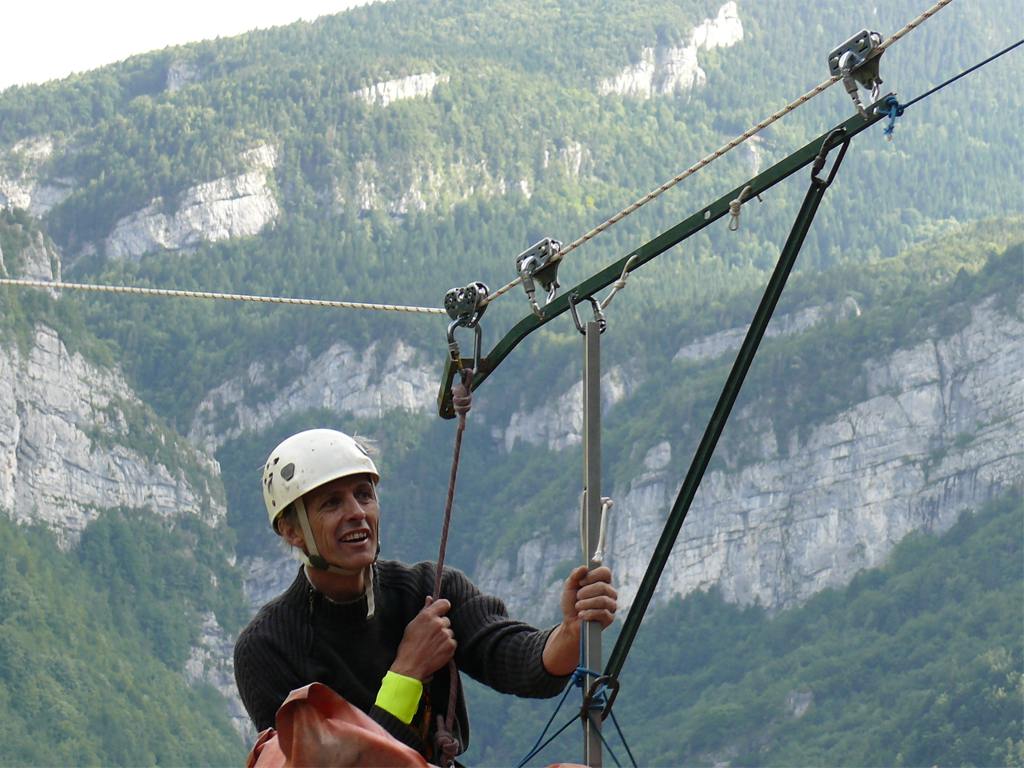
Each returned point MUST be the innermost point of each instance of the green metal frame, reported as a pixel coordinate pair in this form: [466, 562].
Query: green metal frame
[650, 250]
[730, 391]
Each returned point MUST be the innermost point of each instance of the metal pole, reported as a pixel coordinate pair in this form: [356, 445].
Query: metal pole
[591, 521]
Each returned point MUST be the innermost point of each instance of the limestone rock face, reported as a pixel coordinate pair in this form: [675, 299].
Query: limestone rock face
[422, 186]
[23, 183]
[181, 73]
[938, 433]
[64, 428]
[264, 578]
[558, 424]
[341, 379]
[37, 261]
[410, 87]
[212, 661]
[237, 206]
[729, 340]
[665, 70]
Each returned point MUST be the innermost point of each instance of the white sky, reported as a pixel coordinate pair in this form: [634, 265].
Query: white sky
[47, 39]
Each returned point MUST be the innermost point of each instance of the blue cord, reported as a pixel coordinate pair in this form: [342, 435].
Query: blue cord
[622, 739]
[598, 702]
[896, 109]
[537, 746]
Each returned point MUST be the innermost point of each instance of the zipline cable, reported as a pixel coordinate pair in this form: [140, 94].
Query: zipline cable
[822, 86]
[508, 286]
[896, 110]
[140, 291]
[966, 72]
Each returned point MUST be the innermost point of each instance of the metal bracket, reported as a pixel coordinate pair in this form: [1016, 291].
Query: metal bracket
[856, 61]
[643, 254]
[594, 700]
[536, 263]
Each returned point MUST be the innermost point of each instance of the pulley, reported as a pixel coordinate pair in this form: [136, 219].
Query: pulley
[465, 306]
[856, 61]
[537, 263]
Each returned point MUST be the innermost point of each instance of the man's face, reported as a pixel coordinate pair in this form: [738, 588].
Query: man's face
[345, 520]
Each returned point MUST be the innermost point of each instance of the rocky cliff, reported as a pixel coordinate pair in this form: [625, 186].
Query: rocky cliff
[23, 181]
[67, 427]
[410, 87]
[938, 433]
[419, 186]
[667, 69]
[340, 379]
[236, 206]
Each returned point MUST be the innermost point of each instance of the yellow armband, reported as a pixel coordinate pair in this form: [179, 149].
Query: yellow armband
[399, 695]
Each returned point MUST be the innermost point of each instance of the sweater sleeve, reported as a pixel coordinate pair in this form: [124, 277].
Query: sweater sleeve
[504, 654]
[263, 674]
[404, 733]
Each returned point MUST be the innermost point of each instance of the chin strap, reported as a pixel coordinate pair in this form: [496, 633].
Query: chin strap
[315, 560]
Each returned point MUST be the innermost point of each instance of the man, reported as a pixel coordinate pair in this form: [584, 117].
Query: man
[368, 629]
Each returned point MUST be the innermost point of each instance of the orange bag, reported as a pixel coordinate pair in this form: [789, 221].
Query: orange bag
[317, 727]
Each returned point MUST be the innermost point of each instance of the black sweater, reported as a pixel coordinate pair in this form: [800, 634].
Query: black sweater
[301, 637]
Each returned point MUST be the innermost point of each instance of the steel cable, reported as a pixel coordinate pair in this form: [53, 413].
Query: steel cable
[141, 291]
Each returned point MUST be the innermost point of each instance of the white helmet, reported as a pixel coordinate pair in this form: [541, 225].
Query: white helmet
[306, 461]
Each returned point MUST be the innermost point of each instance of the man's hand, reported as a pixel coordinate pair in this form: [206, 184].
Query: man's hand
[586, 596]
[428, 643]
[589, 596]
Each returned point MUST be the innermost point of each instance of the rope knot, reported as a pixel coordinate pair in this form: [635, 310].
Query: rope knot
[445, 742]
[735, 206]
[462, 399]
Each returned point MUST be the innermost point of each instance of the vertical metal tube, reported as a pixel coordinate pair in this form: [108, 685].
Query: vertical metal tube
[591, 522]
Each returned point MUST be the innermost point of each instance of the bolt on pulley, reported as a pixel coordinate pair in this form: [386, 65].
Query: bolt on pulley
[538, 263]
[856, 61]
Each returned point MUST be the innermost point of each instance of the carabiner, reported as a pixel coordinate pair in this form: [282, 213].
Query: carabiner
[596, 699]
[453, 344]
[599, 317]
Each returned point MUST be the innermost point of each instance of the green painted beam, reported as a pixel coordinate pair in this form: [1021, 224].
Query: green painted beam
[650, 250]
[720, 415]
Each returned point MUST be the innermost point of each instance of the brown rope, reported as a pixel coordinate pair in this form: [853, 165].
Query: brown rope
[462, 400]
[444, 740]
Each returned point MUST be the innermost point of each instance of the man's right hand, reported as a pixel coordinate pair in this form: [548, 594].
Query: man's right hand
[428, 643]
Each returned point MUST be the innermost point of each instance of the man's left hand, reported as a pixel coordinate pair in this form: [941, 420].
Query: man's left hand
[588, 595]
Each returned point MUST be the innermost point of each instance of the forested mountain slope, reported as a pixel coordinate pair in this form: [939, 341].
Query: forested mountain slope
[391, 152]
